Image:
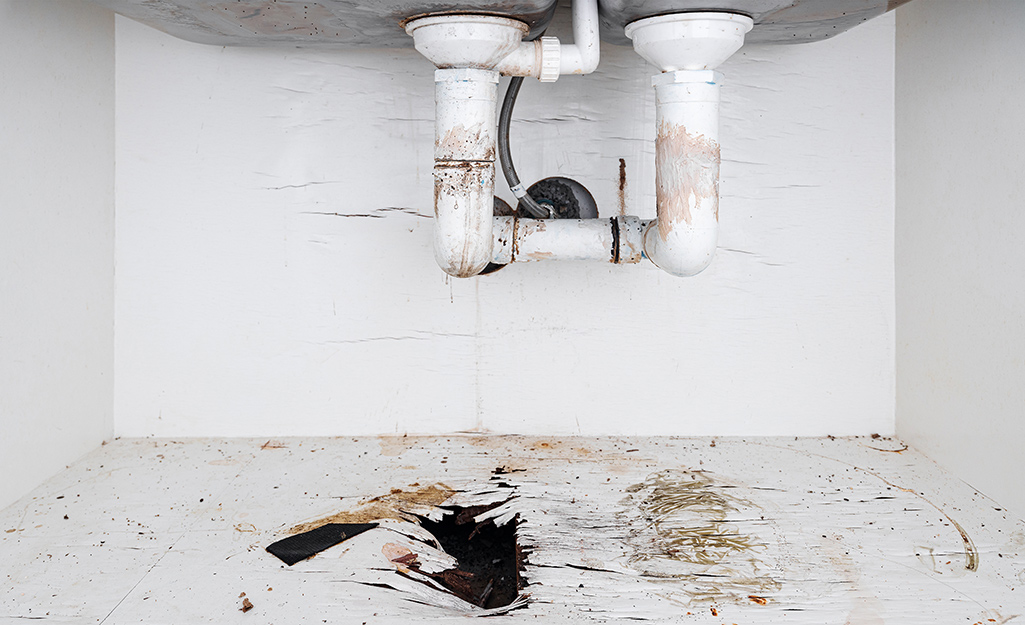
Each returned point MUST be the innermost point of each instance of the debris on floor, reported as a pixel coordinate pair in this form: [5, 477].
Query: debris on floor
[607, 530]
[308, 544]
[448, 543]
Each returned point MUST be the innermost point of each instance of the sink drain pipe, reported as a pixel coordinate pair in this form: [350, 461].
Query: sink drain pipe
[471, 51]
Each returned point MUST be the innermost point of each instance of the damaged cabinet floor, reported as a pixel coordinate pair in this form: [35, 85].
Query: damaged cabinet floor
[858, 531]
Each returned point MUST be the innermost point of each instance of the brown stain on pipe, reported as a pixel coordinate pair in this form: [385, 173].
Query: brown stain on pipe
[460, 143]
[470, 185]
[686, 174]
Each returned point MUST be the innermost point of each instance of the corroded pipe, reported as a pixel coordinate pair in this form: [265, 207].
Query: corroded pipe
[616, 240]
[464, 168]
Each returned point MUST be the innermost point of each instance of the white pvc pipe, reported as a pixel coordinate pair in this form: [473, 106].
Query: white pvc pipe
[616, 240]
[581, 57]
[683, 239]
[547, 59]
[466, 125]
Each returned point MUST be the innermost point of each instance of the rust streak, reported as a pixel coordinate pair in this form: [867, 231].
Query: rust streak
[622, 186]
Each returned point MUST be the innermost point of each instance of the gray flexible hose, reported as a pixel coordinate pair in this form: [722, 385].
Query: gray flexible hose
[505, 155]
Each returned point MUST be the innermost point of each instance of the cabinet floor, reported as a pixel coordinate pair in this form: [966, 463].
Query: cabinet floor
[859, 531]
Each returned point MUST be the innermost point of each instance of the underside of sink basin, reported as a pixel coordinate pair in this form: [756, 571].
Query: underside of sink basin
[776, 21]
[326, 23]
[378, 23]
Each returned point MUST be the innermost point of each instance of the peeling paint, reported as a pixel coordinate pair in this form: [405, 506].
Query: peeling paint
[460, 143]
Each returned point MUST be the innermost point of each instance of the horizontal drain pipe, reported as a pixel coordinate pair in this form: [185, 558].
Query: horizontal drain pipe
[618, 240]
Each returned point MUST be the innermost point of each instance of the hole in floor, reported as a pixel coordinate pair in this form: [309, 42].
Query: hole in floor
[490, 560]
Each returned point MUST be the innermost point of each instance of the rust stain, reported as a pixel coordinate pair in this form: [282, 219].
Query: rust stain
[534, 225]
[393, 446]
[540, 255]
[686, 175]
[515, 242]
[758, 600]
[622, 186]
[464, 186]
[394, 505]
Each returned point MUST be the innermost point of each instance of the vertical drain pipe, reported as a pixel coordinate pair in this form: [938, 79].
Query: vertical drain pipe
[687, 47]
[470, 52]
[464, 168]
[683, 239]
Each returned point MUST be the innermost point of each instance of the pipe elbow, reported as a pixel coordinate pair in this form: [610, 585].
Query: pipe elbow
[683, 251]
[463, 205]
[465, 264]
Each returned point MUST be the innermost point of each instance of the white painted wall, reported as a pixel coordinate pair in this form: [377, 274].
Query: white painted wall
[960, 194]
[56, 237]
[275, 274]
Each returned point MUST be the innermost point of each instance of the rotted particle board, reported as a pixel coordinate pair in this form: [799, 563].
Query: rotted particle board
[766, 530]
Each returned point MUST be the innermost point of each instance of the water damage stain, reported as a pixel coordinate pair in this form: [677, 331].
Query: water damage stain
[685, 526]
[399, 504]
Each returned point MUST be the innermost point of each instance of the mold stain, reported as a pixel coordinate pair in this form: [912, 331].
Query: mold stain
[683, 528]
[686, 176]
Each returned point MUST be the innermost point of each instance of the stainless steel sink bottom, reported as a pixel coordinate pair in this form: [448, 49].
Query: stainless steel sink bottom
[376, 23]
